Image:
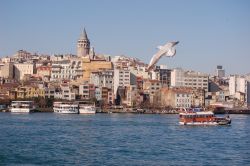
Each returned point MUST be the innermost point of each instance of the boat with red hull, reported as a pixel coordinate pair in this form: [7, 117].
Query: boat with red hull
[192, 117]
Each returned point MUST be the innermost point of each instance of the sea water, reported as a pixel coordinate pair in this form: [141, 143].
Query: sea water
[120, 139]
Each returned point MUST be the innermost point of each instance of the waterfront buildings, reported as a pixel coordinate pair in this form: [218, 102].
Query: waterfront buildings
[120, 80]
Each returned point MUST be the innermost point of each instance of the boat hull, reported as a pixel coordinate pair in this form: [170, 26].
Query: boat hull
[20, 110]
[87, 109]
[66, 111]
[213, 123]
[84, 111]
[65, 108]
[199, 123]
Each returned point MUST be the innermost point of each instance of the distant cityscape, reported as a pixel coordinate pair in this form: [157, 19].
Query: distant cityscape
[116, 81]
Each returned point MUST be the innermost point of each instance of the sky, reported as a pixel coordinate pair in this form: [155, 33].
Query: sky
[211, 32]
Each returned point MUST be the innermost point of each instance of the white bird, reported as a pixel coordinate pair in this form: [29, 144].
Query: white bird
[167, 50]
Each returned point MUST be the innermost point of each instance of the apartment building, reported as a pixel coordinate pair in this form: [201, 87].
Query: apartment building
[193, 79]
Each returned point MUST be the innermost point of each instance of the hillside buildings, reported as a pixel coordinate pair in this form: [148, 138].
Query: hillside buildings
[120, 80]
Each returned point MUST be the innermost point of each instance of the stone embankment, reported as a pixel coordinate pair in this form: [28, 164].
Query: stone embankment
[137, 111]
[233, 111]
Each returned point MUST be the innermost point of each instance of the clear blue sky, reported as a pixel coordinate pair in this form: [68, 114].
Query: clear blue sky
[210, 32]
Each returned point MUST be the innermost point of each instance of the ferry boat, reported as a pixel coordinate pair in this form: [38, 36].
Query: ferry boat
[22, 106]
[87, 109]
[66, 107]
[192, 117]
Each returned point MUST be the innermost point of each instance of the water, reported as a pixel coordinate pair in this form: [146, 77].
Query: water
[120, 139]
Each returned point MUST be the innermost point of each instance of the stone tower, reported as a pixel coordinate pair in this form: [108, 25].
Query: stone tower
[83, 45]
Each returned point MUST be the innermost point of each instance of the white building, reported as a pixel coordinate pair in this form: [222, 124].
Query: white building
[102, 78]
[123, 78]
[98, 94]
[238, 87]
[183, 99]
[87, 91]
[182, 78]
[22, 69]
[67, 93]
[66, 70]
[140, 71]
[50, 92]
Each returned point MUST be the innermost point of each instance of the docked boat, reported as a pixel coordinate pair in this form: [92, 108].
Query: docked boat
[87, 109]
[66, 107]
[192, 117]
[22, 106]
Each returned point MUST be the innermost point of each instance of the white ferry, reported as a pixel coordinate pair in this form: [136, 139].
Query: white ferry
[87, 109]
[192, 117]
[65, 107]
[22, 106]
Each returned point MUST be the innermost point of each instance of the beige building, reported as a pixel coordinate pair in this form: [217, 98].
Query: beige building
[7, 70]
[131, 96]
[90, 66]
[22, 69]
[174, 97]
[151, 87]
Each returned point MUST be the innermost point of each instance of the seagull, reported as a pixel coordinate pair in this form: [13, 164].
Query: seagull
[167, 50]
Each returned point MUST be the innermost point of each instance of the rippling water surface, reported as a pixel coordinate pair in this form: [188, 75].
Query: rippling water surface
[120, 139]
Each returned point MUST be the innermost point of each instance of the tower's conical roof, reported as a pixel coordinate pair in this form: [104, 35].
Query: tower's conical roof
[84, 35]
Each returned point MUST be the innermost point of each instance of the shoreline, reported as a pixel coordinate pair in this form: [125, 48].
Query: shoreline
[144, 111]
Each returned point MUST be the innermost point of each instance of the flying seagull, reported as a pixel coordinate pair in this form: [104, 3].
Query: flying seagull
[167, 50]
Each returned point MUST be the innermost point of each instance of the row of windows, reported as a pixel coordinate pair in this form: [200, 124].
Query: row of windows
[107, 82]
[126, 72]
[183, 105]
[157, 88]
[183, 95]
[194, 84]
[194, 80]
[182, 100]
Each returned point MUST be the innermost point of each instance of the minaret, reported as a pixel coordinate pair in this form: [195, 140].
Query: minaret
[83, 45]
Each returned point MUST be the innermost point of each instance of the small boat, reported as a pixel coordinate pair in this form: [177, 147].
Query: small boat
[192, 117]
[87, 109]
[66, 107]
[22, 106]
